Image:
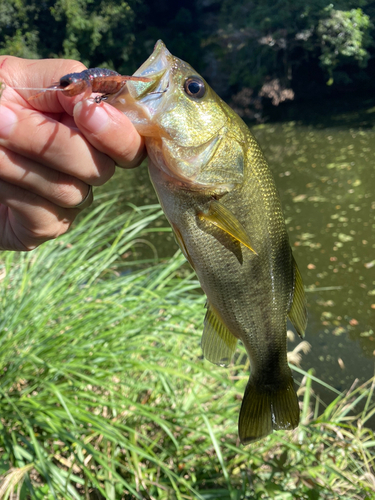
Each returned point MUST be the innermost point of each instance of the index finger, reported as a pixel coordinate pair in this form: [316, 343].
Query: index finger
[38, 73]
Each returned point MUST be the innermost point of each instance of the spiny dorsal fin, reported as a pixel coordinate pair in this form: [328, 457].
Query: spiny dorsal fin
[264, 410]
[298, 313]
[218, 344]
[223, 218]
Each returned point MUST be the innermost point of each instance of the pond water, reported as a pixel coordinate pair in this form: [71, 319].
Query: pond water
[326, 179]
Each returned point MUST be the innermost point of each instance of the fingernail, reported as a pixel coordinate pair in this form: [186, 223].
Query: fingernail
[91, 115]
[7, 120]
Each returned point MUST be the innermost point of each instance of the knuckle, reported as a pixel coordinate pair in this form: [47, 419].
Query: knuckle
[7, 157]
[132, 152]
[67, 191]
[51, 231]
[66, 195]
[105, 169]
[28, 197]
[3, 157]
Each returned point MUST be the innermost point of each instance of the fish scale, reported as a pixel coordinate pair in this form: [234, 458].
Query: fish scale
[219, 196]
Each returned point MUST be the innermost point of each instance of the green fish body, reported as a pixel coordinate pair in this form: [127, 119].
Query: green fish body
[219, 196]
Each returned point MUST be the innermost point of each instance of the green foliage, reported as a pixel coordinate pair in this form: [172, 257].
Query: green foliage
[236, 45]
[266, 39]
[104, 393]
[259, 37]
[18, 34]
[179, 28]
[343, 35]
[96, 32]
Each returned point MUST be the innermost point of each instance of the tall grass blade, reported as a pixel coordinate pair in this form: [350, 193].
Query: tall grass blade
[104, 392]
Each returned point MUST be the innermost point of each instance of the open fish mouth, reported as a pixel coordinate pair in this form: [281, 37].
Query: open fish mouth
[157, 69]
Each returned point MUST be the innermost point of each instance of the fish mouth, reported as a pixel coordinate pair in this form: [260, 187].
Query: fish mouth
[156, 68]
[141, 101]
[157, 63]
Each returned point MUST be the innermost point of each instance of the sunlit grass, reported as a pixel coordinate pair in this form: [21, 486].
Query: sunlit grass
[104, 392]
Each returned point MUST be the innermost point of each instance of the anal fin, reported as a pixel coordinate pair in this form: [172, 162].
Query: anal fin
[218, 343]
[298, 312]
[222, 217]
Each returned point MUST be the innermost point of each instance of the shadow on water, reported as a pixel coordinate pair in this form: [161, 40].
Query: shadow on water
[325, 174]
[351, 110]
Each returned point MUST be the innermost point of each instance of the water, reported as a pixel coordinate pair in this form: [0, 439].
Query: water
[326, 179]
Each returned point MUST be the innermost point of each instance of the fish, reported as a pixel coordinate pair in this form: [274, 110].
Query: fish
[219, 196]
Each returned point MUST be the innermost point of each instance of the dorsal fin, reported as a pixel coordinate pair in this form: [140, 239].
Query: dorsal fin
[218, 343]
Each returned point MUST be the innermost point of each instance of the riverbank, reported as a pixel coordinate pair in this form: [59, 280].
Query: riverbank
[104, 392]
[349, 109]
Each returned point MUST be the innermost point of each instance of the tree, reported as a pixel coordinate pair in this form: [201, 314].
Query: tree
[96, 32]
[259, 41]
[344, 36]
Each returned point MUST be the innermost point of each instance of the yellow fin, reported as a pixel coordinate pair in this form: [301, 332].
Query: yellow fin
[218, 344]
[264, 410]
[298, 313]
[223, 218]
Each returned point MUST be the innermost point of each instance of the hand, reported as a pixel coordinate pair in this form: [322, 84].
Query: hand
[52, 149]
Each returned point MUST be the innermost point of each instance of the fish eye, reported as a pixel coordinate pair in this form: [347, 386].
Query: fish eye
[195, 87]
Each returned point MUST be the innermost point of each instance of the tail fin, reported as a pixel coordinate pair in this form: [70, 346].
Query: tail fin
[265, 409]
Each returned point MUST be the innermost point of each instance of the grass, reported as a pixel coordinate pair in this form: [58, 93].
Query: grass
[104, 392]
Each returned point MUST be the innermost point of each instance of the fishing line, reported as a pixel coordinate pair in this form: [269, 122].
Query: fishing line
[35, 88]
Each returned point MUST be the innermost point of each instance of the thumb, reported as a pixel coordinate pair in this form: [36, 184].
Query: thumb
[110, 132]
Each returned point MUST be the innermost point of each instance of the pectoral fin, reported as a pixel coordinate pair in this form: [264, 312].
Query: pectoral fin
[298, 312]
[223, 218]
[218, 344]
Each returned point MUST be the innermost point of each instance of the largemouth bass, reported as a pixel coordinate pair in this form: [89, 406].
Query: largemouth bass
[219, 196]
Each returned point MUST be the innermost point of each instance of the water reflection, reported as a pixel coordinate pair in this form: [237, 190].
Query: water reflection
[326, 180]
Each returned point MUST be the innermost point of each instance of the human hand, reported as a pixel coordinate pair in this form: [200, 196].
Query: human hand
[52, 149]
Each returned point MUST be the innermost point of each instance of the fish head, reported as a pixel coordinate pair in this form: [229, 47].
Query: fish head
[185, 123]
